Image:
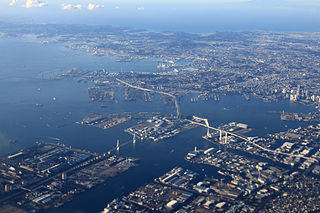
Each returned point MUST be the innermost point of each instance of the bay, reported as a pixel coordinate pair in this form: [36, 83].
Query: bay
[23, 63]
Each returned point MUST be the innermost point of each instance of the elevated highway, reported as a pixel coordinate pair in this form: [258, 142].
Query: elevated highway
[154, 91]
[247, 139]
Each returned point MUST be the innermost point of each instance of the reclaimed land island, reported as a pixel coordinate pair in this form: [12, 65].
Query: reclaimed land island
[48, 175]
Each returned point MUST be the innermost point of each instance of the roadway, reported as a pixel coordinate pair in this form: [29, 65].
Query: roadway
[154, 91]
[207, 126]
[254, 144]
[120, 145]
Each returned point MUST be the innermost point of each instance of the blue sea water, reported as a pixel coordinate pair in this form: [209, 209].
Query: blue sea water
[24, 62]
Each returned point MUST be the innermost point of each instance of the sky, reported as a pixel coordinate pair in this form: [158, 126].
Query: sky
[172, 15]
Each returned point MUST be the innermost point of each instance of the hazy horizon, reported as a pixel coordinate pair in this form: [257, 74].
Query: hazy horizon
[189, 16]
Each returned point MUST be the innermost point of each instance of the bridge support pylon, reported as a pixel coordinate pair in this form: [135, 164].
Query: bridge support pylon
[118, 145]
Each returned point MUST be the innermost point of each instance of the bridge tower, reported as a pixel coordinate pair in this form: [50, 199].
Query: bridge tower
[207, 124]
[118, 145]
[177, 106]
[208, 132]
[220, 138]
[134, 138]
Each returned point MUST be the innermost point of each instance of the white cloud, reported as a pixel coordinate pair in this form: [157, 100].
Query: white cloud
[140, 8]
[71, 6]
[29, 3]
[94, 6]
[117, 7]
[13, 2]
[34, 3]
